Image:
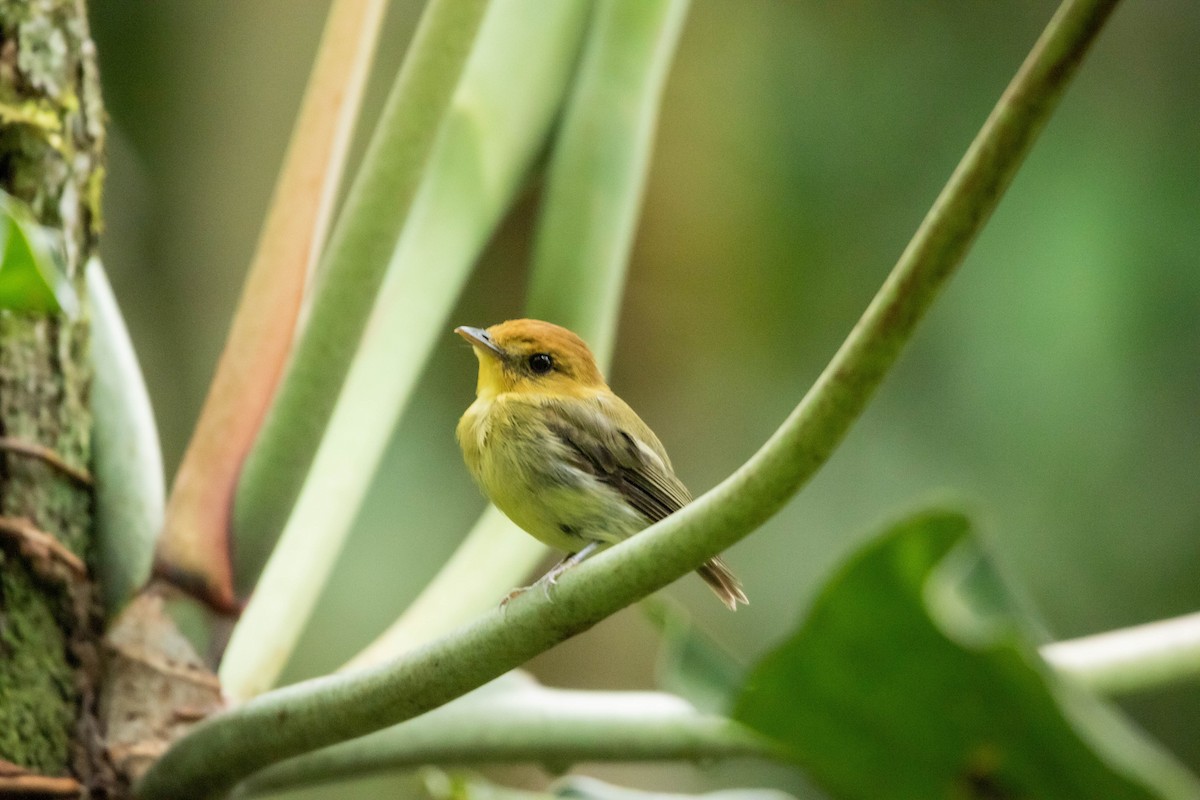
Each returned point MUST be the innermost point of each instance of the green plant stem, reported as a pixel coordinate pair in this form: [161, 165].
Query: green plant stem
[352, 268]
[557, 728]
[223, 750]
[599, 167]
[1132, 659]
[585, 233]
[505, 104]
[130, 491]
[494, 557]
[195, 551]
[553, 727]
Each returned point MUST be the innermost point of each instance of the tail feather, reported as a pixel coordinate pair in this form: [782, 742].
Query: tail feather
[723, 583]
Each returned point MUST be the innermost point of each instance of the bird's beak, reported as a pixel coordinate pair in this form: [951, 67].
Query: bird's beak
[478, 337]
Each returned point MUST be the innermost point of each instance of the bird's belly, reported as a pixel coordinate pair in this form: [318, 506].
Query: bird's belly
[553, 501]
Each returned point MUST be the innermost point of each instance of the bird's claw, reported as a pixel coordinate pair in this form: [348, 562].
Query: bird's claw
[508, 598]
[550, 579]
[546, 582]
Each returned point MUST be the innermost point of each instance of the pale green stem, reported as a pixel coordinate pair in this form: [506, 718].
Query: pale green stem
[1132, 659]
[223, 750]
[195, 550]
[196, 547]
[127, 462]
[599, 168]
[505, 104]
[594, 194]
[489, 563]
[352, 268]
[559, 728]
[552, 727]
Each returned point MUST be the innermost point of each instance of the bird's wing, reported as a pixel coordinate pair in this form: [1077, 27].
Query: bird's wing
[628, 458]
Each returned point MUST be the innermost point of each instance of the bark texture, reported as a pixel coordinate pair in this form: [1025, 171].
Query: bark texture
[51, 145]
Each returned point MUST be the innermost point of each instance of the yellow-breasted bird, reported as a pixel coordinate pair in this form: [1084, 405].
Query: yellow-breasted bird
[560, 454]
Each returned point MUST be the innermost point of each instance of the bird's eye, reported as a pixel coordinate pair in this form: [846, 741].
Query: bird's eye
[541, 363]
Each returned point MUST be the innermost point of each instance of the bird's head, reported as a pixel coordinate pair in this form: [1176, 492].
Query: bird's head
[528, 355]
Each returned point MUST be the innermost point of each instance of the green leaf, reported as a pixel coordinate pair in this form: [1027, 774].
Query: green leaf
[31, 276]
[912, 677]
[691, 663]
[127, 462]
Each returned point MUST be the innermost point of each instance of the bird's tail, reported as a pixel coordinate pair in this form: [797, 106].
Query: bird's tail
[723, 583]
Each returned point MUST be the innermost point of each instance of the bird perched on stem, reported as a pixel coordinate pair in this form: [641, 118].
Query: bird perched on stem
[560, 454]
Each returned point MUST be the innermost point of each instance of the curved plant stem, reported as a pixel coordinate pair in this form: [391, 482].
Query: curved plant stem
[599, 168]
[553, 727]
[557, 728]
[352, 268]
[130, 491]
[589, 213]
[494, 557]
[1132, 659]
[194, 550]
[225, 749]
[505, 104]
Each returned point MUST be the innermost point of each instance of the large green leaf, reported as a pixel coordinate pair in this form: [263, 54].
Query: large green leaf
[31, 278]
[912, 677]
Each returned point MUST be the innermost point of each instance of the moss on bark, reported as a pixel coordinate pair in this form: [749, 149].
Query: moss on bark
[37, 694]
[51, 142]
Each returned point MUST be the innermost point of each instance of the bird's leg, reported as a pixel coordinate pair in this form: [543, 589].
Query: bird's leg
[551, 577]
[508, 598]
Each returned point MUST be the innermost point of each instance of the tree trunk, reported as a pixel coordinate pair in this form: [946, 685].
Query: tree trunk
[51, 148]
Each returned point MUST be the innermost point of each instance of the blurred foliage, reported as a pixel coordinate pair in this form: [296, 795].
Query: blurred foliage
[800, 143]
[912, 677]
[441, 786]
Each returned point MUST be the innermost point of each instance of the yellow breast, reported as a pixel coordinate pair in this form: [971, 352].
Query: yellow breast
[524, 469]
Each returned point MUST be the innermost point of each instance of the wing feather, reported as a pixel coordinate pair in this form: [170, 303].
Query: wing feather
[628, 457]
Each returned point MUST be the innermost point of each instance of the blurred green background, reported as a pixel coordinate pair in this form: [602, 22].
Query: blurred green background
[1055, 387]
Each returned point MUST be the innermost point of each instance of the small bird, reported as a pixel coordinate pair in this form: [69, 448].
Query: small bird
[560, 454]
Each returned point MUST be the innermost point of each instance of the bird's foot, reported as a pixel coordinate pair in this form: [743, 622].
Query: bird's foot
[550, 579]
[545, 582]
[513, 595]
[570, 560]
